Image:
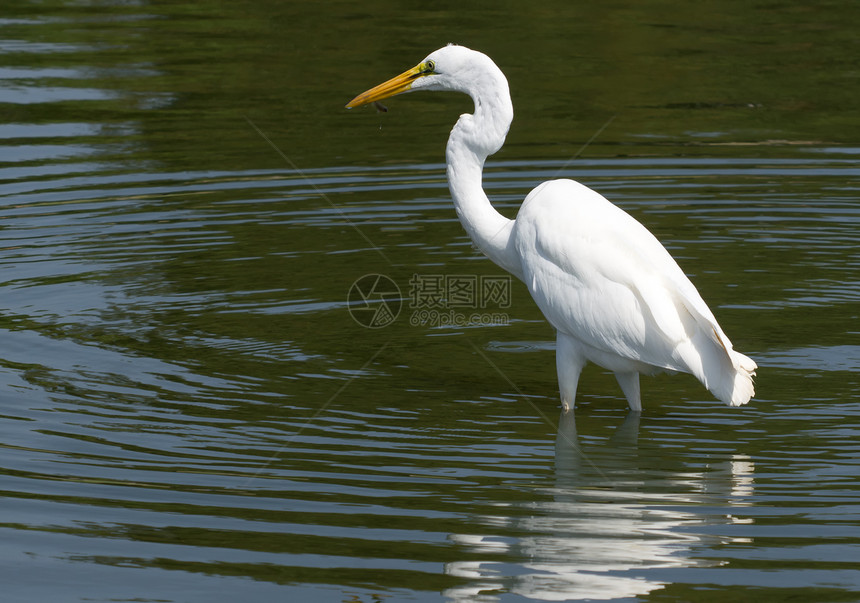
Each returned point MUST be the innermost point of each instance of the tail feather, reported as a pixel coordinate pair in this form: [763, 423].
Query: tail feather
[743, 388]
[729, 376]
[726, 373]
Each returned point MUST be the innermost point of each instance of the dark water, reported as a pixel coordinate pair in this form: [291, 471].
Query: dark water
[189, 411]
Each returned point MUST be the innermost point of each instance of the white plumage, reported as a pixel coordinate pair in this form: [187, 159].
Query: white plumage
[613, 293]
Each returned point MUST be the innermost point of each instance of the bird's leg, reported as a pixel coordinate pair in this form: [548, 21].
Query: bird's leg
[629, 382]
[568, 362]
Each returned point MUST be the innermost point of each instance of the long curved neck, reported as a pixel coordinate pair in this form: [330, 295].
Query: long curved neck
[472, 140]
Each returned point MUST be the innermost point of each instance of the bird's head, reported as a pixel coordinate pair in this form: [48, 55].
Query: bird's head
[453, 67]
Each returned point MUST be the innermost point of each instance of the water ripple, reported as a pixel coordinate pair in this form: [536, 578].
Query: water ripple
[185, 388]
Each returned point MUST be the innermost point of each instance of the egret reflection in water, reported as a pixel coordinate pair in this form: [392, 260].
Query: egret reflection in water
[613, 510]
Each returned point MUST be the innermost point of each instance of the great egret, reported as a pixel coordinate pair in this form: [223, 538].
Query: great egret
[613, 293]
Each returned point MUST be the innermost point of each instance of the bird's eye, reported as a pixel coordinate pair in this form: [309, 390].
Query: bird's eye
[429, 66]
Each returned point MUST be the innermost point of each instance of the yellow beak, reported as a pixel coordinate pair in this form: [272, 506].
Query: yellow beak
[395, 85]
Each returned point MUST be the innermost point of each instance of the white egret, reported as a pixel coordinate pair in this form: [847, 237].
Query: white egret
[613, 293]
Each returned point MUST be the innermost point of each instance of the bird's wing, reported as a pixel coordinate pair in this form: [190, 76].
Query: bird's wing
[601, 276]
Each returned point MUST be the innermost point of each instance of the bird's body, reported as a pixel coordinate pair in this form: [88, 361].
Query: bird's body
[610, 289]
